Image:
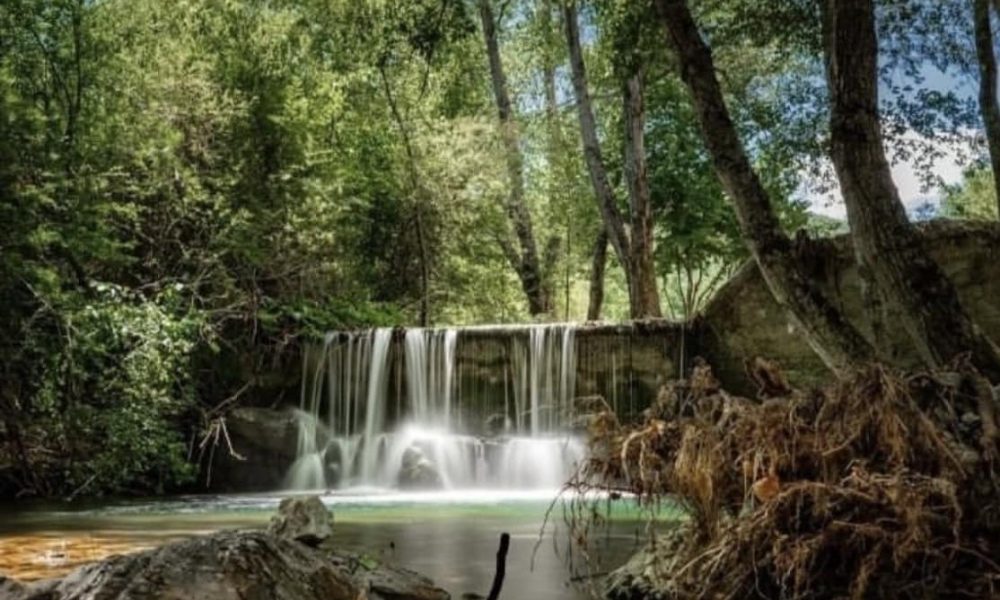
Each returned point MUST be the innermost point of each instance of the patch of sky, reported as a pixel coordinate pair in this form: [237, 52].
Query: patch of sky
[933, 134]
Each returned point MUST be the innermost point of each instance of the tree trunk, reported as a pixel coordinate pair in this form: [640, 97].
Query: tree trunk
[988, 104]
[556, 180]
[425, 298]
[613, 221]
[524, 260]
[633, 245]
[549, 77]
[600, 261]
[831, 336]
[644, 297]
[885, 241]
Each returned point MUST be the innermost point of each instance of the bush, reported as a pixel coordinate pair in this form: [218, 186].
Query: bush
[112, 392]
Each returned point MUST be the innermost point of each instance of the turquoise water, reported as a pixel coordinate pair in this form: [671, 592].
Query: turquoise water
[451, 537]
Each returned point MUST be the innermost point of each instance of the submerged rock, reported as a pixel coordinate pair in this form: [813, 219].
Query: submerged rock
[496, 425]
[418, 472]
[302, 519]
[386, 582]
[642, 576]
[229, 565]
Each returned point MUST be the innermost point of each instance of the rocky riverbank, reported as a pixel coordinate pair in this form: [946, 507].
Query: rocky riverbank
[295, 559]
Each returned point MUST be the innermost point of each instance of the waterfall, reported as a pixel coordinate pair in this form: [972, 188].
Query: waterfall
[350, 372]
[430, 367]
[386, 409]
[547, 376]
[378, 383]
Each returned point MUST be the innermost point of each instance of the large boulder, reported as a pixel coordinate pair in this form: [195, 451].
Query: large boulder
[10, 588]
[496, 425]
[417, 472]
[266, 441]
[229, 565]
[232, 565]
[302, 519]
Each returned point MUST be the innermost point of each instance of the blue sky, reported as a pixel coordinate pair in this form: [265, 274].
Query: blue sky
[907, 175]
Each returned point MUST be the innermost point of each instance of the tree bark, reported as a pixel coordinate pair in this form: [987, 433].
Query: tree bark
[989, 106]
[885, 241]
[555, 144]
[599, 262]
[524, 260]
[549, 76]
[831, 336]
[633, 245]
[613, 221]
[644, 297]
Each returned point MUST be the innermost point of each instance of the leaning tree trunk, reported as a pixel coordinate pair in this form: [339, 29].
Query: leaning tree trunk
[989, 106]
[606, 202]
[885, 241]
[525, 259]
[831, 336]
[634, 248]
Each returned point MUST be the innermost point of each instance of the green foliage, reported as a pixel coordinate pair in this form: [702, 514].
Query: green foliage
[202, 159]
[112, 389]
[240, 174]
[310, 319]
[975, 197]
[823, 226]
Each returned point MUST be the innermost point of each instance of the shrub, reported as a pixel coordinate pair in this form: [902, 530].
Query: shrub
[112, 392]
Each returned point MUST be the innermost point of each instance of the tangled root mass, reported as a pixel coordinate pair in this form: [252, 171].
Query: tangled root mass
[879, 486]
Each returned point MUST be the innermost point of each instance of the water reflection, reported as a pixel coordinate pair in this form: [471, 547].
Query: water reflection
[450, 537]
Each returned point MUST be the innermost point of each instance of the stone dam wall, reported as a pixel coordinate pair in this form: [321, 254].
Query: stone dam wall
[627, 363]
[744, 320]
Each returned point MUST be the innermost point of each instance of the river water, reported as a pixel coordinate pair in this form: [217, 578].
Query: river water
[451, 537]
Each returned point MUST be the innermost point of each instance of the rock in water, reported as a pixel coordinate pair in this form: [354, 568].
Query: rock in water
[231, 565]
[418, 472]
[10, 588]
[495, 425]
[228, 565]
[303, 519]
[267, 441]
[239, 565]
[386, 582]
[641, 577]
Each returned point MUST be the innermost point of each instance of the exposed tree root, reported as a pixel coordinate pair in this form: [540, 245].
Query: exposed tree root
[882, 486]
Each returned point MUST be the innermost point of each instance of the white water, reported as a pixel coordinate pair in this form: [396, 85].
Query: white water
[430, 368]
[355, 424]
[547, 374]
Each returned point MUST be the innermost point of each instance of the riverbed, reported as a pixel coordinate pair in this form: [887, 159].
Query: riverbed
[451, 537]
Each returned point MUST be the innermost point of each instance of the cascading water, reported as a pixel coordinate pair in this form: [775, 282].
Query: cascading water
[350, 373]
[385, 412]
[430, 368]
[546, 371]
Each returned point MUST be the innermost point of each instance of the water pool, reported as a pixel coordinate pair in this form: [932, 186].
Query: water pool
[451, 537]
